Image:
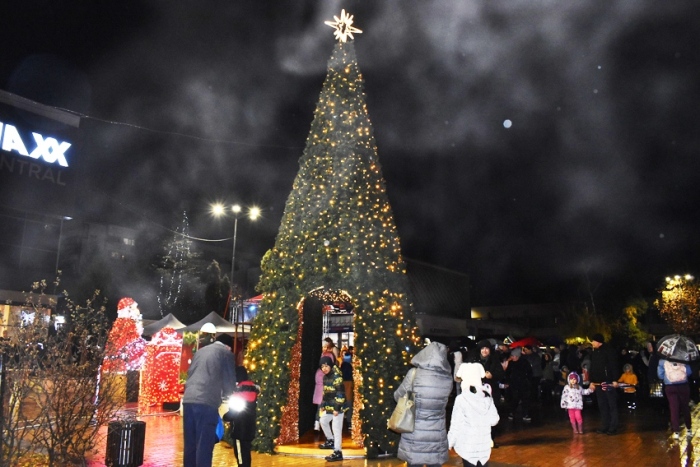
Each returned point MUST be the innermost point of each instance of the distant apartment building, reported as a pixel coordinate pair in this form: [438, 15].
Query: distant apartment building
[88, 242]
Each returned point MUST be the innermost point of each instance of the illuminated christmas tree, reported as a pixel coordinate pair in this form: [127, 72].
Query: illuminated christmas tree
[337, 236]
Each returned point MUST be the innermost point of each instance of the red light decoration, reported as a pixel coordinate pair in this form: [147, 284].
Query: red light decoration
[289, 424]
[161, 370]
[125, 347]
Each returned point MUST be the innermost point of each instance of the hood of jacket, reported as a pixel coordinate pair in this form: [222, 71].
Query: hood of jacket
[433, 357]
[478, 403]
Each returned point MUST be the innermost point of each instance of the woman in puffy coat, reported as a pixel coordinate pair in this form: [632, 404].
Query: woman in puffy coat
[432, 385]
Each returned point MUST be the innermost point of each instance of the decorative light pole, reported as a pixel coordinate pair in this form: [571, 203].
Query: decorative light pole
[253, 213]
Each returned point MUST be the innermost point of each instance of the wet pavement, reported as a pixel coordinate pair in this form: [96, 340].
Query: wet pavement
[643, 440]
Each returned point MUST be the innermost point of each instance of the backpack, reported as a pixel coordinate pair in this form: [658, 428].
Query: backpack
[675, 372]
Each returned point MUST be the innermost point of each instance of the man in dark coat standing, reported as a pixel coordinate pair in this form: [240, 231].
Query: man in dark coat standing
[494, 373]
[519, 377]
[604, 374]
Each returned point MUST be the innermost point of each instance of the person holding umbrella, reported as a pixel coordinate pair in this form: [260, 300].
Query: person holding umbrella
[673, 368]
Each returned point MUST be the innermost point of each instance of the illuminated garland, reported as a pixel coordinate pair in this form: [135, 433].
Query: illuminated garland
[289, 425]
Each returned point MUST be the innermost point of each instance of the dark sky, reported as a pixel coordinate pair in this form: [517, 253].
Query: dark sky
[533, 144]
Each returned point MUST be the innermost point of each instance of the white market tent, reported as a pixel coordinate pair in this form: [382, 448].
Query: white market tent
[169, 321]
[221, 325]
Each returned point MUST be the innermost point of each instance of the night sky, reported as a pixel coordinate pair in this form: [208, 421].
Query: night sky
[537, 145]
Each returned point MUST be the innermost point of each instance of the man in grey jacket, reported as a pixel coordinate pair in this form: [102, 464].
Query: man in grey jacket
[210, 379]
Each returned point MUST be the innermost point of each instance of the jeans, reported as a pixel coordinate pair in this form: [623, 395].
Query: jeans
[199, 429]
[336, 433]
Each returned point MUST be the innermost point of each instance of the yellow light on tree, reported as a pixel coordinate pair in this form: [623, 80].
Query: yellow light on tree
[679, 304]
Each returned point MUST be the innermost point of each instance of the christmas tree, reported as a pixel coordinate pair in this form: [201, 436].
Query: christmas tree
[337, 235]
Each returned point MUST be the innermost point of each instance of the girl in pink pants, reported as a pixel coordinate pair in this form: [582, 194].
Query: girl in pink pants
[572, 400]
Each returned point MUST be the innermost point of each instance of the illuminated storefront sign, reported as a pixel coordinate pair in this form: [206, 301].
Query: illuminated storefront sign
[40, 150]
[48, 149]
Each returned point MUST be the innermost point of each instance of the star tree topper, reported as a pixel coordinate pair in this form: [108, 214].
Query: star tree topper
[343, 26]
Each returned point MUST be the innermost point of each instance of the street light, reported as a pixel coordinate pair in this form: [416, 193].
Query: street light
[219, 210]
[58, 247]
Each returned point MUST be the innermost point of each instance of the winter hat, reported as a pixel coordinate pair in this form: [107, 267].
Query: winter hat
[574, 375]
[326, 361]
[225, 339]
[598, 337]
[516, 352]
[471, 374]
[484, 343]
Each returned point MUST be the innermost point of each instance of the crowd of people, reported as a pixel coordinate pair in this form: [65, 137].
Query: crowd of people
[494, 382]
[490, 382]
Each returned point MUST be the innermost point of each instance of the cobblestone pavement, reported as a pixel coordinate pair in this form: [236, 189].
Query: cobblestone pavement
[547, 441]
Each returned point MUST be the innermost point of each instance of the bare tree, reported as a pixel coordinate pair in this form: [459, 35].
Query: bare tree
[57, 400]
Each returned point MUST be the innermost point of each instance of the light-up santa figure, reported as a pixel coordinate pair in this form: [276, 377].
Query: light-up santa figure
[125, 347]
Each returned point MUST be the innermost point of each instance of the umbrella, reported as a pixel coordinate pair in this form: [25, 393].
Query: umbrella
[678, 348]
[526, 341]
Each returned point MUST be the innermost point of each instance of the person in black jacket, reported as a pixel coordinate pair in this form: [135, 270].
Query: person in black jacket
[241, 414]
[604, 373]
[494, 373]
[492, 366]
[518, 377]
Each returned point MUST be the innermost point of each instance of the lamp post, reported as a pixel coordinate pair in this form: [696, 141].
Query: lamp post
[253, 213]
[60, 235]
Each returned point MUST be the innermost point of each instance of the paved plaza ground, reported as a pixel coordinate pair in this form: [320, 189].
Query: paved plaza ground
[547, 441]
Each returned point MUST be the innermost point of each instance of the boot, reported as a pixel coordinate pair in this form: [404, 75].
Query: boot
[580, 428]
[329, 444]
[336, 456]
[573, 425]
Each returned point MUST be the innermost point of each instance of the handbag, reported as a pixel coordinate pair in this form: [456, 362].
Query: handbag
[403, 418]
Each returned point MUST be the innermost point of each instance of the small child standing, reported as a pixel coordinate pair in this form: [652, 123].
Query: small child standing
[473, 415]
[572, 400]
[630, 389]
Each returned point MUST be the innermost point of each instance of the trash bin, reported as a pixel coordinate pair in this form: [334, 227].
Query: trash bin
[125, 443]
